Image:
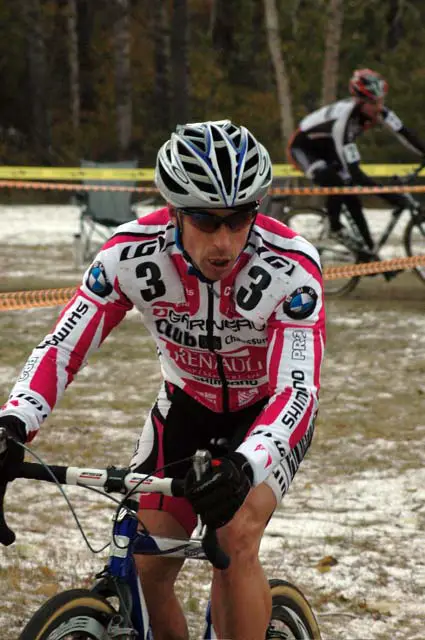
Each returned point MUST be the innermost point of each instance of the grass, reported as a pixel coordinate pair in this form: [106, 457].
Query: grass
[371, 427]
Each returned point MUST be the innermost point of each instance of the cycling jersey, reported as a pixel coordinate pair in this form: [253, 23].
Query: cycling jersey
[258, 333]
[329, 134]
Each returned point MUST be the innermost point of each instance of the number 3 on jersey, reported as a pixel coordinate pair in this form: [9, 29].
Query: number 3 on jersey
[249, 298]
[151, 273]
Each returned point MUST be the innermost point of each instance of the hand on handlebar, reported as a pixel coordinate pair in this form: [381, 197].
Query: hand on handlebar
[221, 490]
[12, 434]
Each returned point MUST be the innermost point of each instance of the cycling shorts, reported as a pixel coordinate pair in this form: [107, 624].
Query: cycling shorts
[176, 427]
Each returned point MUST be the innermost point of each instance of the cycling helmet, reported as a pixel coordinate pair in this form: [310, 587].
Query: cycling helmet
[368, 85]
[212, 164]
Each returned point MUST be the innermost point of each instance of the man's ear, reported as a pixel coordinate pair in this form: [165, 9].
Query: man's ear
[172, 213]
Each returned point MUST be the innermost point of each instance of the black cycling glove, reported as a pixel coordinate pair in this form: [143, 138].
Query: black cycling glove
[14, 454]
[222, 489]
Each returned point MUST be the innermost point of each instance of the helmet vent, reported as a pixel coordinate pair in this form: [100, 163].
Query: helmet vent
[245, 183]
[196, 138]
[251, 162]
[225, 167]
[251, 142]
[169, 182]
[193, 169]
[205, 186]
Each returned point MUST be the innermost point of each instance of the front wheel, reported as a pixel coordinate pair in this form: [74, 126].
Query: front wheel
[313, 225]
[292, 617]
[414, 242]
[77, 614]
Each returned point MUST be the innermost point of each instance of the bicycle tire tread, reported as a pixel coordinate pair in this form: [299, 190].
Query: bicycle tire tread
[61, 605]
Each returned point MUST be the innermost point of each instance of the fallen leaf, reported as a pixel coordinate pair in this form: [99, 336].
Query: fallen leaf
[326, 563]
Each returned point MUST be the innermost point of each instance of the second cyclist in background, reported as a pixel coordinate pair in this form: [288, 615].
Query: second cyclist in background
[324, 148]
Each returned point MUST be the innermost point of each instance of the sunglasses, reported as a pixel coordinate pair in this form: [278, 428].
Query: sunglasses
[210, 222]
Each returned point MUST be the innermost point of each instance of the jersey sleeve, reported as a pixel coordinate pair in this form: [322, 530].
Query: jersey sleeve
[296, 341]
[96, 308]
[407, 137]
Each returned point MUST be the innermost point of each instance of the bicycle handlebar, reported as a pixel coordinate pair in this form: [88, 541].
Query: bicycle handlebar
[409, 177]
[112, 480]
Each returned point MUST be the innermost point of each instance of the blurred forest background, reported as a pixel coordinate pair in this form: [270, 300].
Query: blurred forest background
[109, 79]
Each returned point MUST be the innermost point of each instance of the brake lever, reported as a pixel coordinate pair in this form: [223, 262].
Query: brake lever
[219, 559]
[201, 462]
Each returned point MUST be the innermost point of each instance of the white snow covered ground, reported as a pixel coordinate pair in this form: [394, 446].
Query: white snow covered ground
[351, 531]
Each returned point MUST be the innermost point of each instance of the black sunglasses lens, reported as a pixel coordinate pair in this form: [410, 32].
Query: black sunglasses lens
[206, 222]
[239, 220]
[209, 222]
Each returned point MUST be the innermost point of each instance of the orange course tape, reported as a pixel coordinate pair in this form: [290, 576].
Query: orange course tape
[17, 300]
[273, 191]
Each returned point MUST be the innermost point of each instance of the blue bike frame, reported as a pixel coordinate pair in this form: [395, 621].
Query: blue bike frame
[126, 542]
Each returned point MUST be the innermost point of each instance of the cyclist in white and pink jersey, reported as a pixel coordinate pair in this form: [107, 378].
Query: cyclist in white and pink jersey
[234, 302]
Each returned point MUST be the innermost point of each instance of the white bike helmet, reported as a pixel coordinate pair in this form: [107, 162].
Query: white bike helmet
[212, 164]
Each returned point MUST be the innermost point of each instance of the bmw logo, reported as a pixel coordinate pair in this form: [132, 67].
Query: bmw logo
[97, 282]
[301, 303]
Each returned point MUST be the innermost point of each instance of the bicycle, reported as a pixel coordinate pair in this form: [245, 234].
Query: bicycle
[114, 607]
[349, 248]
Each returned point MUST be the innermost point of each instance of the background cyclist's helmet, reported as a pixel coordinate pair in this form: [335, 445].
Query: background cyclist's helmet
[368, 85]
[213, 164]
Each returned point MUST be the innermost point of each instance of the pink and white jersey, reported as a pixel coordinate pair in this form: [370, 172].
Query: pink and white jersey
[258, 333]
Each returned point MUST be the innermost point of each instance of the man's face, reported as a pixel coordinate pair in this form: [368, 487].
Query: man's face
[372, 109]
[214, 246]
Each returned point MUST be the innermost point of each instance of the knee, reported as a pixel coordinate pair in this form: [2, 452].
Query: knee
[158, 575]
[325, 175]
[241, 537]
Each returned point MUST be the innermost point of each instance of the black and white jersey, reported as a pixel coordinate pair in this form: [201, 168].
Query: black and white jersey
[330, 133]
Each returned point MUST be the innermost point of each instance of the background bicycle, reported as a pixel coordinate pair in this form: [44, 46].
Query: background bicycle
[113, 607]
[313, 223]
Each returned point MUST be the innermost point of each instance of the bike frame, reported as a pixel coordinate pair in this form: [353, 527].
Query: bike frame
[397, 212]
[121, 576]
[382, 239]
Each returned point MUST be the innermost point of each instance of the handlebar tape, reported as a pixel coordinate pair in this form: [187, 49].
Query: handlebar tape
[35, 471]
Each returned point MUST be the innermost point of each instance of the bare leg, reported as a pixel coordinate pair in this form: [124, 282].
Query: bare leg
[240, 595]
[158, 576]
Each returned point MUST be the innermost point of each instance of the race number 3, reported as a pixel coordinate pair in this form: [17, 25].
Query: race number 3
[249, 298]
[151, 273]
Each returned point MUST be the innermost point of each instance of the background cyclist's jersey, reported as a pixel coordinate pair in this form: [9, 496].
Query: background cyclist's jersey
[330, 132]
[258, 333]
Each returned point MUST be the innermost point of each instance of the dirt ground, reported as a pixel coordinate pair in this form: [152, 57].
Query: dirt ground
[351, 531]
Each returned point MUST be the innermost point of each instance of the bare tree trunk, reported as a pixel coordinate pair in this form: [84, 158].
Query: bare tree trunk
[179, 62]
[85, 26]
[282, 80]
[395, 23]
[213, 17]
[123, 94]
[74, 72]
[162, 65]
[332, 44]
[38, 92]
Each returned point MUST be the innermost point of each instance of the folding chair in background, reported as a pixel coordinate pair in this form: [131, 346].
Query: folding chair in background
[102, 211]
